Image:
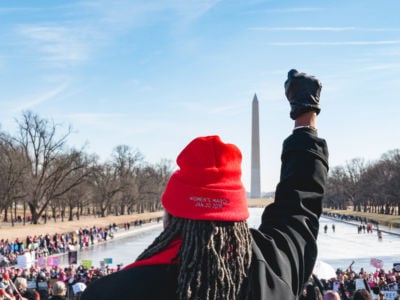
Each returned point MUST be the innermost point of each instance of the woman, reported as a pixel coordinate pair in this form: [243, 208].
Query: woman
[206, 250]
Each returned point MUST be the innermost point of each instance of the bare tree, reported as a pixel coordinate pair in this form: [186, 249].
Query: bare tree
[372, 187]
[391, 161]
[354, 170]
[50, 165]
[343, 184]
[106, 185]
[76, 200]
[126, 163]
[151, 181]
[12, 170]
[336, 196]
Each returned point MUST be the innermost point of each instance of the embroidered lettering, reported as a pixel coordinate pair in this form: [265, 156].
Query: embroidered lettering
[206, 202]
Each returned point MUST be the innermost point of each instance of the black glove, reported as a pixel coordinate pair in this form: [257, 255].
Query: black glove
[303, 92]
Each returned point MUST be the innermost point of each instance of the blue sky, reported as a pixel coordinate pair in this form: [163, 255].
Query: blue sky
[155, 74]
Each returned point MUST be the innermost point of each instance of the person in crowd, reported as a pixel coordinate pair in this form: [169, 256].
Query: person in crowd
[311, 292]
[59, 291]
[22, 290]
[42, 285]
[362, 294]
[331, 295]
[4, 295]
[206, 250]
[313, 289]
[21, 285]
[6, 286]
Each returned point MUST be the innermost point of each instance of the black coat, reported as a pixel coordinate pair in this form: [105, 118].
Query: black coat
[284, 246]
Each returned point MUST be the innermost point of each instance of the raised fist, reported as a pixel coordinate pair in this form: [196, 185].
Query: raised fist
[303, 93]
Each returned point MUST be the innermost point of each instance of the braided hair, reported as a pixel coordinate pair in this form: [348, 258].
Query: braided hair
[213, 258]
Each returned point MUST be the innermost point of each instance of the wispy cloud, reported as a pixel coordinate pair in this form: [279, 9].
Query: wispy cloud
[380, 67]
[125, 14]
[343, 43]
[74, 40]
[323, 28]
[303, 28]
[8, 10]
[57, 44]
[93, 118]
[138, 85]
[206, 110]
[294, 10]
[394, 51]
[379, 29]
[194, 9]
[39, 99]
[227, 108]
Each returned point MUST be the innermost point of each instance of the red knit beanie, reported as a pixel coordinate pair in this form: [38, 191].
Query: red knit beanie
[207, 185]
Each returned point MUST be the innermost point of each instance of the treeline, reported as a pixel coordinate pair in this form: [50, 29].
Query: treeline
[41, 177]
[368, 187]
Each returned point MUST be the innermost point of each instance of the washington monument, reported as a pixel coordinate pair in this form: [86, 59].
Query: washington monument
[255, 190]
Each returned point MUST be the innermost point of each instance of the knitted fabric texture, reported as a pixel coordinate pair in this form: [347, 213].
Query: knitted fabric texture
[207, 185]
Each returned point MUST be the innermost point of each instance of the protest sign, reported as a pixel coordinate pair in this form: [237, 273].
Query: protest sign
[41, 261]
[87, 263]
[396, 267]
[72, 257]
[377, 263]
[24, 261]
[53, 261]
[108, 260]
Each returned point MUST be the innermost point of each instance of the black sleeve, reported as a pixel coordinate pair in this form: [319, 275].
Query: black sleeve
[289, 226]
[151, 282]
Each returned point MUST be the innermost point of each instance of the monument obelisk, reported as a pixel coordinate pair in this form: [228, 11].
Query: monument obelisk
[255, 190]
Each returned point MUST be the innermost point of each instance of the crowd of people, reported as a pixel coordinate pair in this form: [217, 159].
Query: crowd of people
[380, 283]
[54, 282]
[47, 244]
[40, 282]
[364, 222]
[365, 225]
[59, 243]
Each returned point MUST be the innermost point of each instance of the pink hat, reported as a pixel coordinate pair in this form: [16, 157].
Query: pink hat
[207, 185]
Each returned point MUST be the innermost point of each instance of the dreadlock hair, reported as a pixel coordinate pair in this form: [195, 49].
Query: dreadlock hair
[214, 257]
